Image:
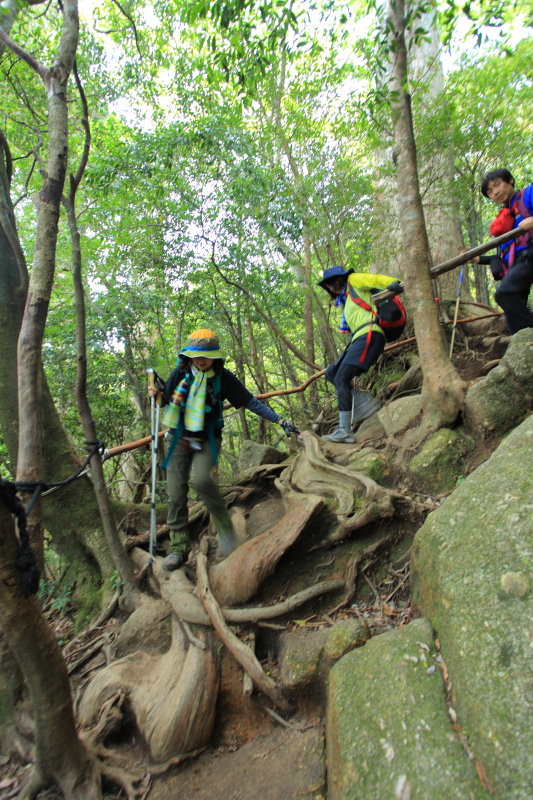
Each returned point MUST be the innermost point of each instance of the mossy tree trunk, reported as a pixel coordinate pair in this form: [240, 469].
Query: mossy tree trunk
[59, 754]
[70, 514]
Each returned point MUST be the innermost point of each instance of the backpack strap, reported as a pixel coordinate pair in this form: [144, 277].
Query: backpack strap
[360, 302]
[176, 436]
[364, 305]
[518, 208]
[218, 423]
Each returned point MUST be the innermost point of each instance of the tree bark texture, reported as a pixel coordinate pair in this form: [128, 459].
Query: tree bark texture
[444, 393]
[60, 756]
[436, 173]
[68, 513]
[172, 696]
[30, 455]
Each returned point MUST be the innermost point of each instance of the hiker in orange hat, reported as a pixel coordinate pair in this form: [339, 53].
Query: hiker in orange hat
[194, 394]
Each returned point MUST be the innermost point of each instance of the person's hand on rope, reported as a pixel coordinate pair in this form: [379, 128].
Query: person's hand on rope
[288, 428]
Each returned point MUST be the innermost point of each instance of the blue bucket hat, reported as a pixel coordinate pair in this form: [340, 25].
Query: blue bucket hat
[333, 272]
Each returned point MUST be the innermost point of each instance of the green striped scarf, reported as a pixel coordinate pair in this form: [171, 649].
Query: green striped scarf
[195, 404]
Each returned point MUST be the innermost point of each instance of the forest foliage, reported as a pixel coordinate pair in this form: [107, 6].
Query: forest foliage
[234, 156]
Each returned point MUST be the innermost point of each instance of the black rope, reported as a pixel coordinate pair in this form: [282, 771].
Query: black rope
[43, 486]
[26, 561]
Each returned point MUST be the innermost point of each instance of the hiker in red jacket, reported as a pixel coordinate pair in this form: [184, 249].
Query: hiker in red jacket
[515, 265]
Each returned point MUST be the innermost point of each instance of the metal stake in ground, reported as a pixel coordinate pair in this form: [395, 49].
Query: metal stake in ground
[155, 409]
[459, 285]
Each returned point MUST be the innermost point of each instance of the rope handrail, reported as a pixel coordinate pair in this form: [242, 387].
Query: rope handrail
[124, 448]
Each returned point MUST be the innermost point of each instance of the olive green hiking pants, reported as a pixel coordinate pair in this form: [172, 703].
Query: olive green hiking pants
[196, 466]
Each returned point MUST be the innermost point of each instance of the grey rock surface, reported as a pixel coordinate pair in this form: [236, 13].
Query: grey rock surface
[473, 569]
[254, 454]
[436, 467]
[501, 400]
[389, 734]
[400, 414]
[307, 655]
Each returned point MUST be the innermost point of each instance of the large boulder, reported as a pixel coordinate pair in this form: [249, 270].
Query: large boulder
[436, 468]
[254, 455]
[400, 414]
[501, 400]
[389, 734]
[473, 574]
[307, 655]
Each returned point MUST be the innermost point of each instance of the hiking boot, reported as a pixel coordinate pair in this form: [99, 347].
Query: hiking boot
[341, 435]
[172, 561]
[363, 406]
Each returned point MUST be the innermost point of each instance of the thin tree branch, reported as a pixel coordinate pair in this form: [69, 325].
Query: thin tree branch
[39, 68]
[76, 179]
[130, 19]
[260, 311]
[4, 145]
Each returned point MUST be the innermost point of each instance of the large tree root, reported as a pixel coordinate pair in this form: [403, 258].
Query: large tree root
[357, 499]
[172, 697]
[240, 575]
[243, 654]
[176, 588]
[120, 777]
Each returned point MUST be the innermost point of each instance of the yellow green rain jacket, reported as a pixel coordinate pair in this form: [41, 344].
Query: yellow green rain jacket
[360, 321]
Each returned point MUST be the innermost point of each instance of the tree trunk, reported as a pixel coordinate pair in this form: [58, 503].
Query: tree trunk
[444, 390]
[437, 171]
[120, 557]
[69, 513]
[30, 452]
[60, 756]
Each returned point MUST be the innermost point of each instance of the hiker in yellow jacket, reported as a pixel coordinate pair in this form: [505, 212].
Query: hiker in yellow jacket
[352, 292]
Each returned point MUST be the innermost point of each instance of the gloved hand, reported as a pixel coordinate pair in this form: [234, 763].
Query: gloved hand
[288, 428]
[395, 287]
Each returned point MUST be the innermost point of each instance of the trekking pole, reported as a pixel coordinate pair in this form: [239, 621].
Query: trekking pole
[155, 409]
[460, 283]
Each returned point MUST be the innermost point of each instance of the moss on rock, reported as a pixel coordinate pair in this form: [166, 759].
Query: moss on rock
[373, 463]
[307, 656]
[435, 468]
[500, 401]
[388, 731]
[519, 358]
[343, 637]
[462, 557]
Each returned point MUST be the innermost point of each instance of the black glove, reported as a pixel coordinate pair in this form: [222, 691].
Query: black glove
[395, 287]
[288, 428]
[496, 267]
